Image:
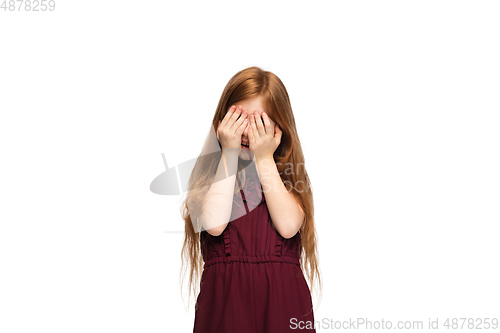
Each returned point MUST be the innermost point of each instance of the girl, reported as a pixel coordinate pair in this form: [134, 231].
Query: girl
[249, 215]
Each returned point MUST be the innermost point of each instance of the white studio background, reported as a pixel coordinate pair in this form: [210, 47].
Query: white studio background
[397, 109]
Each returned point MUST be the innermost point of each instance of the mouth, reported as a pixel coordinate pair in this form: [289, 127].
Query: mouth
[245, 145]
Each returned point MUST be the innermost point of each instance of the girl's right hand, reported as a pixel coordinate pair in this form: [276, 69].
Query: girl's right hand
[231, 128]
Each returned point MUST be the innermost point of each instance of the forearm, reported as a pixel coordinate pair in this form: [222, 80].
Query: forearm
[286, 213]
[217, 206]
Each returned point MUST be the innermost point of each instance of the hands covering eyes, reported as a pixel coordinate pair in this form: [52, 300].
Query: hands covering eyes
[263, 133]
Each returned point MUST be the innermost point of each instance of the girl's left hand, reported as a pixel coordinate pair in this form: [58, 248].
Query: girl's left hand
[264, 135]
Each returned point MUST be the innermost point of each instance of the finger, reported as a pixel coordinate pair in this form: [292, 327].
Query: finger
[247, 126]
[242, 126]
[251, 135]
[278, 134]
[228, 115]
[234, 117]
[260, 125]
[238, 122]
[253, 128]
[268, 124]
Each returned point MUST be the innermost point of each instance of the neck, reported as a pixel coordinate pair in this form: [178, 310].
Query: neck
[248, 166]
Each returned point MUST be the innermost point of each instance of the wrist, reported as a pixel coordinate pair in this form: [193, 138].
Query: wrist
[231, 152]
[264, 159]
[229, 161]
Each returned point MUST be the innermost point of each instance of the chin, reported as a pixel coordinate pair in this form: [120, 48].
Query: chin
[246, 154]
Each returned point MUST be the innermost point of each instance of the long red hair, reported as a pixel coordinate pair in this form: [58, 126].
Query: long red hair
[246, 84]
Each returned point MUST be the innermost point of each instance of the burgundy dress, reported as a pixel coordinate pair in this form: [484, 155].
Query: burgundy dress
[252, 281]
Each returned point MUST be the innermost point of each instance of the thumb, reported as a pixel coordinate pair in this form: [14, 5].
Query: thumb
[278, 133]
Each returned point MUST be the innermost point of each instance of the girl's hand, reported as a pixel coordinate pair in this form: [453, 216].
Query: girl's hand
[229, 131]
[264, 135]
